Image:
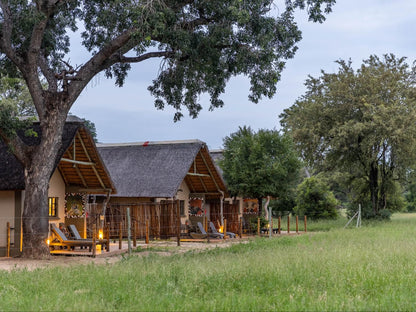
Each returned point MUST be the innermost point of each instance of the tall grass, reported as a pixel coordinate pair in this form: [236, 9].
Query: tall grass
[368, 268]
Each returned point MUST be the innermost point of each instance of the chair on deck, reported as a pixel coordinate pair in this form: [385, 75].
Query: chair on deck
[74, 232]
[214, 230]
[214, 235]
[63, 241]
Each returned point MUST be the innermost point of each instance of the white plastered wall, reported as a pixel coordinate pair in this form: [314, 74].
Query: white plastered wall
[7, 208]
[57, 189]
[183, 194]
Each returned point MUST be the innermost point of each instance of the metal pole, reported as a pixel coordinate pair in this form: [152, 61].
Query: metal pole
[129, 230]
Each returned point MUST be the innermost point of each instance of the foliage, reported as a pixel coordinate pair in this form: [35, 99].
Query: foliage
[410, 196]
[202, 43]
[315, 200]
[14, 92]
[360, 123]
[91, 127]
[361, 196]
[364, 269]
[259, 164]
[284, 204]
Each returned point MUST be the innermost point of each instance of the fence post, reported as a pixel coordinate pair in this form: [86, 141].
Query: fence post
[8, 240]
[270, 222]
[225, 229]
[120, 235]
[147, 231]
[129, 230]
[279, 221]
[94, 236]
[178, 213]
[297, 223]
[240, 232]
[304, 222]
[108, 236]
[288, 224]
[134, 234]
[258, 226]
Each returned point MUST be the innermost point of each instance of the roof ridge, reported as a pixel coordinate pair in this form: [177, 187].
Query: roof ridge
[146, 143]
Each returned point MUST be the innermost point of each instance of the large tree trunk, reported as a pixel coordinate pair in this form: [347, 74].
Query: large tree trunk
[38, 171]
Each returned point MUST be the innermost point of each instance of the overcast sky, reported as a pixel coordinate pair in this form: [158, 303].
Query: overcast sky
[354, 30]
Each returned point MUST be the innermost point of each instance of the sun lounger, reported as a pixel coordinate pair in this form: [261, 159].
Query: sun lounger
[74, 232]
[214, 235]
[214, 230]
[62, 241]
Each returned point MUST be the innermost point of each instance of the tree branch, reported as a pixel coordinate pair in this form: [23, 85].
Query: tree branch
[6, 35]
[49, 75]
[143, 57]
[19, 148]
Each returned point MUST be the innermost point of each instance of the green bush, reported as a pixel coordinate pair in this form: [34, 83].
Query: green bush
[315, 200]
[410, 196]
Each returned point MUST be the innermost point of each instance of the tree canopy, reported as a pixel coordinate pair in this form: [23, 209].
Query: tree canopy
[201, 45]
[257, 165]
[359, 122]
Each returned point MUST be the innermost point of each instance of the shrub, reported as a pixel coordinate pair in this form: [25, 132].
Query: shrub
[315, 200]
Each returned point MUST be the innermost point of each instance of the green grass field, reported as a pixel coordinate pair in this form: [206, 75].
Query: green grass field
[369, 268]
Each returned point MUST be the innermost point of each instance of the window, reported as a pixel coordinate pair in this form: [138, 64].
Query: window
[53, 206]
[182, 207]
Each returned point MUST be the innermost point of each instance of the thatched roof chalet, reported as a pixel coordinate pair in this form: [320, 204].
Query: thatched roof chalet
[157, 169]
[79, 162]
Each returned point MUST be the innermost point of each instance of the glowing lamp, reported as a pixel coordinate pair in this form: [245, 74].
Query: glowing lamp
[48, 242]
[100, 235]
[220, 229]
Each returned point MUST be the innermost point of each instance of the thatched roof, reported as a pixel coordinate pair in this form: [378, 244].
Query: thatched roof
[157, 169]
[217, 155]
[80, 176]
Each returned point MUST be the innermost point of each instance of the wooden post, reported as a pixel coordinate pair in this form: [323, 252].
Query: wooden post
[304, 222]
[107, 234]
[120, 235]
[147, 231]
[8, 240]
[240, 232]
[178, 219]
[128, 231]
[258, 226]
[270, 222]
[288, 224]
[279, 223]
[94, 237]
[225, 229]
[297, 223]
[134, 234]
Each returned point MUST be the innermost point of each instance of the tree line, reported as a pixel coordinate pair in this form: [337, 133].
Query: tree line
[355, 132]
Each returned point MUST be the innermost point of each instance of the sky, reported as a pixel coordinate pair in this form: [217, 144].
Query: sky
[354, 30]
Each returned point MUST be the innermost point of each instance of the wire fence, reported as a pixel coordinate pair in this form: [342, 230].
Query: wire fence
[150, 222]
